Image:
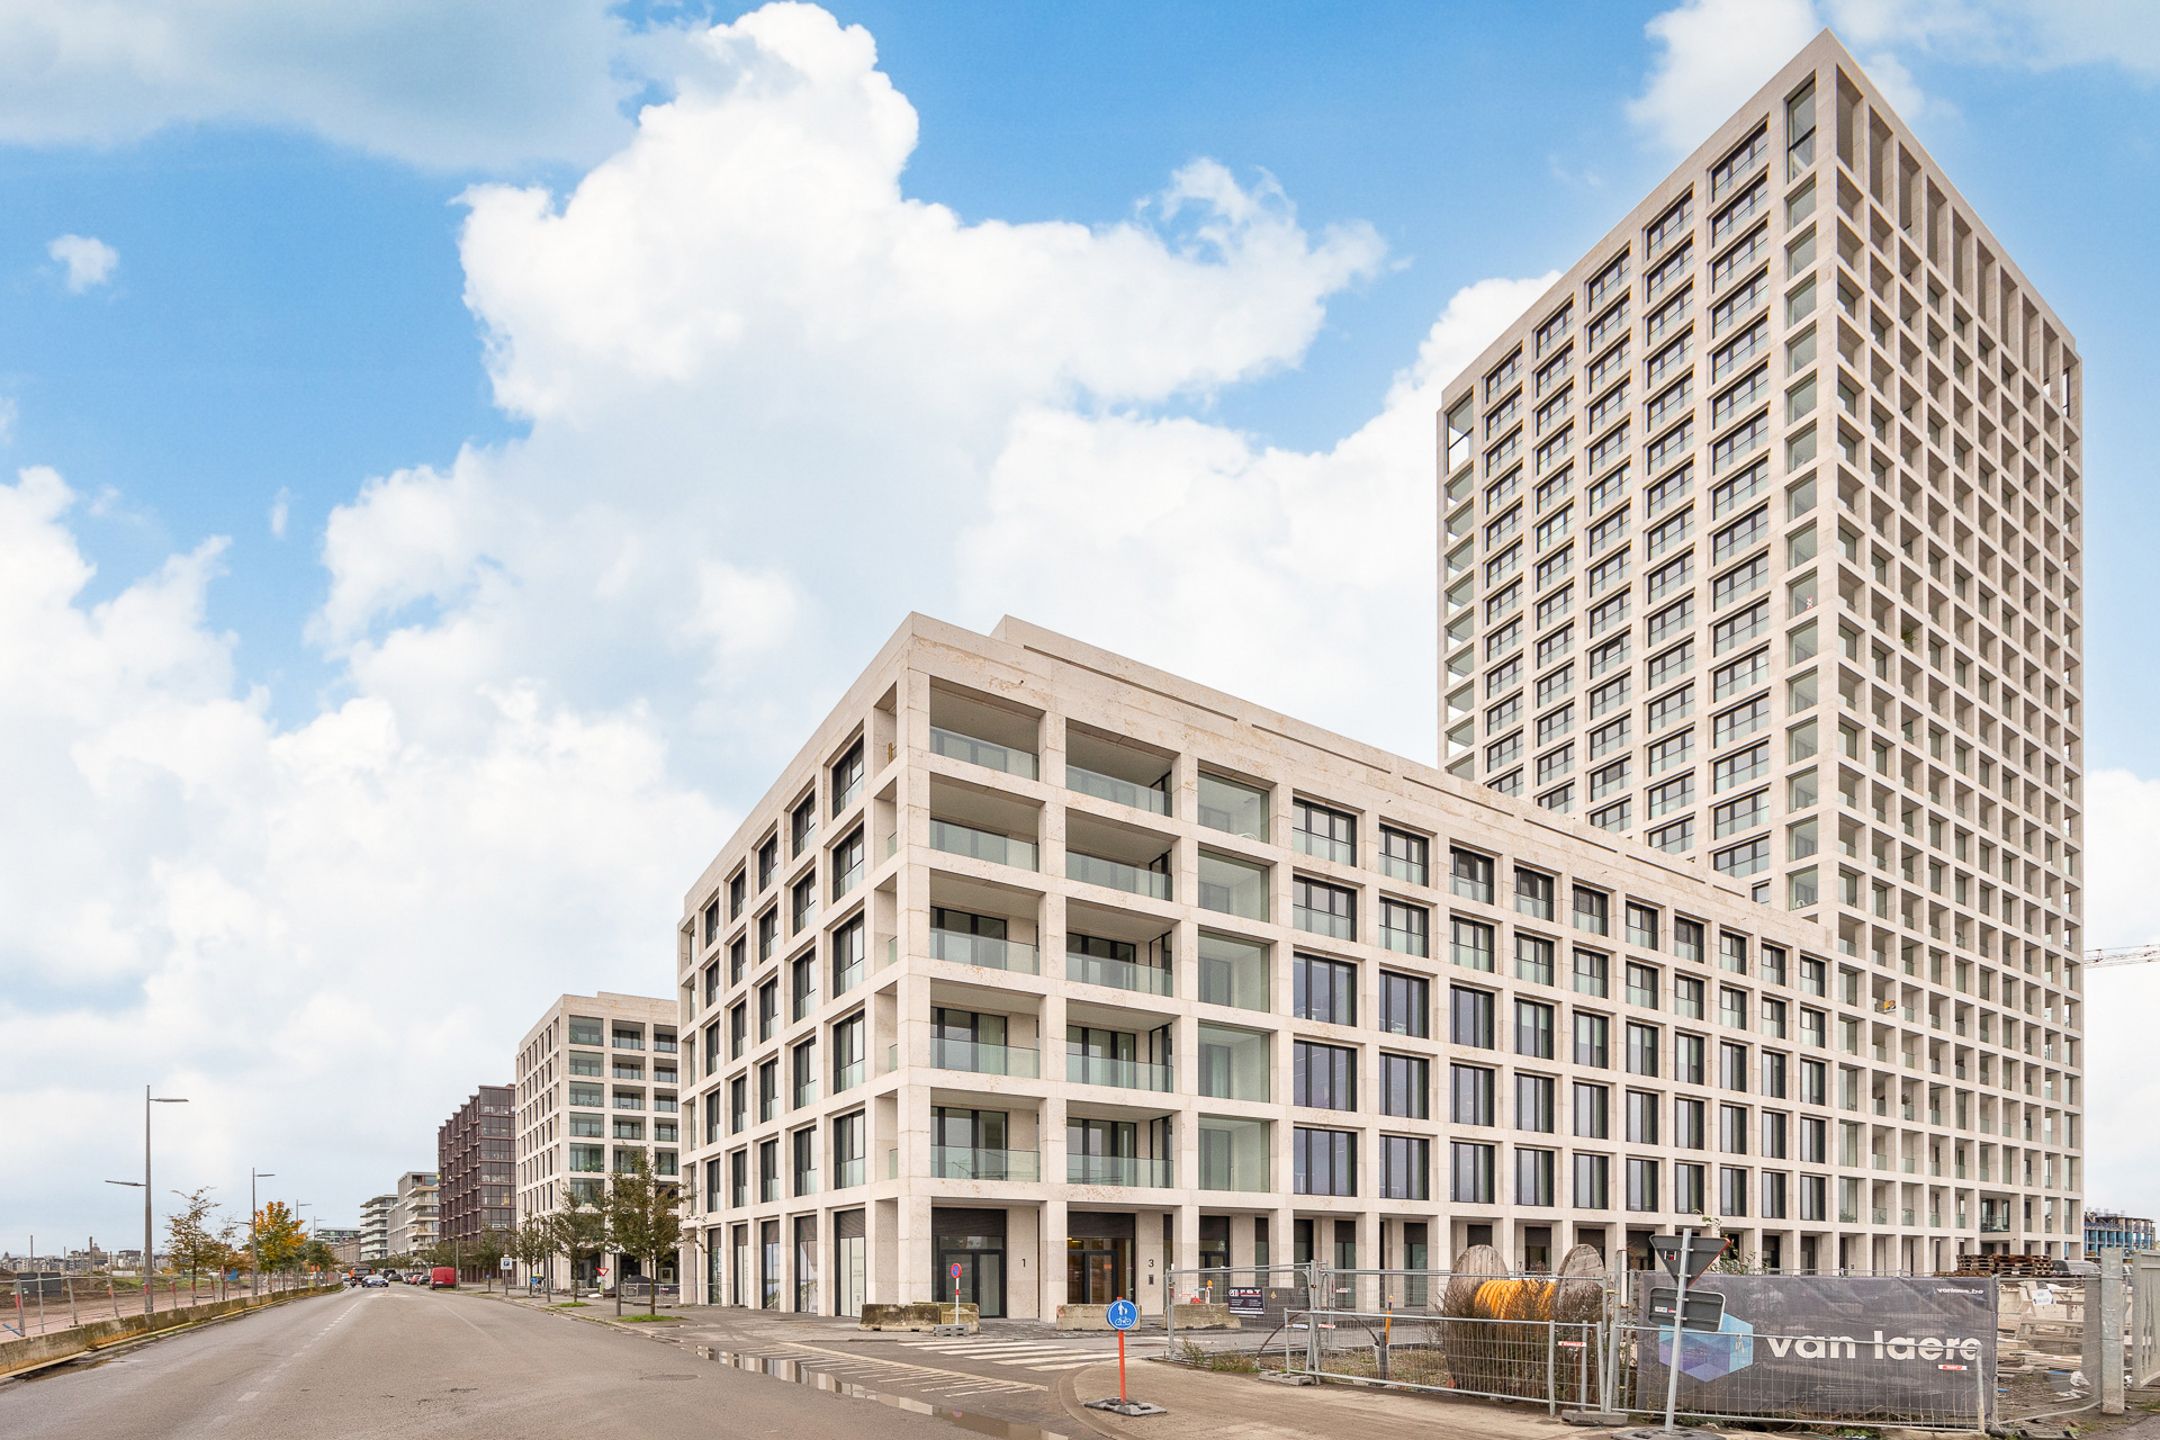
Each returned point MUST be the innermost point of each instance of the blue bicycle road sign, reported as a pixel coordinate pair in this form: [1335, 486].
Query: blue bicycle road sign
[1123, 1315]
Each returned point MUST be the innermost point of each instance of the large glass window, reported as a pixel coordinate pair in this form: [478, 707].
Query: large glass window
[1233, 806]
[1317, 829]
[1233, 887]
[1405, 1004]
[1323, 1076]
[1324, 1162]
[1324, 990]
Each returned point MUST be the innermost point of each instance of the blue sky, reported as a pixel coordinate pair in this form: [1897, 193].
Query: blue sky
[582, 503]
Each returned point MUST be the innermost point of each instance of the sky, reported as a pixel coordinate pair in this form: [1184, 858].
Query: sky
[450, 456]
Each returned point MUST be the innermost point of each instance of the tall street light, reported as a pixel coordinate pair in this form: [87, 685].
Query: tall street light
[254, 1246]
[149, 1245]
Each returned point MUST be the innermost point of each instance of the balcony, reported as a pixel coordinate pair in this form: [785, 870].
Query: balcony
[1128, 1170]
[848, 1076]
[980, 1059]
[986, 753]
[1118, 974]
[988, 951]
[848, 1173]
[955, 1162]
[1123, 1074]
[1116, 875]
[956, 839]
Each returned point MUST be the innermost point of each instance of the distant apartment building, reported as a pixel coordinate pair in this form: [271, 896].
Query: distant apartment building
[1066, 971]
[474, 1153]
[1761, 540]
[415, 1214]
[2112, 1230]
[375, 1213]
[597, 1084]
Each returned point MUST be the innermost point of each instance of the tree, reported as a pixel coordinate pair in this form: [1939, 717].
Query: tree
[194, 1245]
[318, 1256]
[532, 1244]
[279, 1237]
[641, 1221]
[576, 1230]
[487, 1251]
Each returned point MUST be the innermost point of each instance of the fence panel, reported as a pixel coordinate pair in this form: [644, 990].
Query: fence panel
[1549, 1362]
[2143, 1320]
[1233, 1315]
[2047, 1346]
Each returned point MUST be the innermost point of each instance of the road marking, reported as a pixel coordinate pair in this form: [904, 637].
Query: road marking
[249, 1396]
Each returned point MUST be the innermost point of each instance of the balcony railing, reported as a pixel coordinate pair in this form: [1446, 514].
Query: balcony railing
[1116, 875]
[1119, 792]
[982, 1059]
[988, 951]
[1119, 974]
[957, 839]
[1326, 847]
[982, 752]
[1406, 942]
[1124, 1074]
[848, 1076]
[847, 1173]
[956, 1162]
[1395, 867]
[1323, 922]
[1117, 1170]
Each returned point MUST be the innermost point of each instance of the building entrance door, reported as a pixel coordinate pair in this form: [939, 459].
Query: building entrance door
[1098, 1257]
[975, 1241]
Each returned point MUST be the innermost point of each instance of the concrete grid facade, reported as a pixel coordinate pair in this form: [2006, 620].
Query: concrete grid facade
[474, 1154]
[597, 1083]
[1034, 950]
[1761, 540]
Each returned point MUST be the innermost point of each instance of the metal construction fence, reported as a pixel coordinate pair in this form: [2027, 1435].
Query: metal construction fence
[1951, 1352]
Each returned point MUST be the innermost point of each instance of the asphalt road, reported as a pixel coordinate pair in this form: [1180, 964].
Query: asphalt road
[402, 1362]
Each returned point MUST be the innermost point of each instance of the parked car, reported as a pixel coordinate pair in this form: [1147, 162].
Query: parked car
[442, 1277]
[375, 1282]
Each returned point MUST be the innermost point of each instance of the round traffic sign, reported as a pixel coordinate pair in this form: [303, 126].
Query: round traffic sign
[1122, 1315]
[955, 1270]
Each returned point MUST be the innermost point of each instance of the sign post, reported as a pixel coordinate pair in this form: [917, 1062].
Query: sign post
[954, 1272]
[1121, 1316]
[1684, 1257]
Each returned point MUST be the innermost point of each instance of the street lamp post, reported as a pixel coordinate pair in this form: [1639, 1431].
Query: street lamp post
[149, 1234]
[254, 1242]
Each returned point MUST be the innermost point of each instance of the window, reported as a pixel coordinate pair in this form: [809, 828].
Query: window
[1642, 985]
[1642, 1185]
[1405, 1086]
[1472, 1173]
[847, 863]
[768, 860]
[1533, 1176]
[1233, 807]
[1591, 1175]
[1233, 887]
[1469, 1095]
[1590, 1040]
[1317, 830]
[1405, 1167]
[1322, 908]
[1533, 894]
[1534, 959]
[1470, 875]
[1592, 972]
[1470, 1017]
[1323, 1077]
[1403, 855]
[1642, 1049]
[1405, 1004]
[1405, 927]
[1534, 1103]
[1323, 990]
[1534, 1029]
[1745, 859]
[1592, 910]
[1593, 1111]
[1324, 1162]
[847, 777]
[1642, 1117]
[1470, 943]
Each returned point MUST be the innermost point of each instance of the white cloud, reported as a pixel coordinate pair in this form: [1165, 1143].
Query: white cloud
[9, 414]
[280, 512]
[459, 86]
[1712, 55]
[88, 261]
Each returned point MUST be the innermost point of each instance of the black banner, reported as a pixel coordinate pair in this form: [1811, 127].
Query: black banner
[1825, 1347]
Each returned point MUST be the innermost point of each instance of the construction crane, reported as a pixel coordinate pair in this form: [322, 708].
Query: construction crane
[2122, 955]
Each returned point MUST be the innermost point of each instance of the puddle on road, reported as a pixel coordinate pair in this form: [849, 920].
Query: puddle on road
[776, 1368]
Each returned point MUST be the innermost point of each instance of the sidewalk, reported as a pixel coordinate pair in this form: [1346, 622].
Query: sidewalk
[1205, 1405]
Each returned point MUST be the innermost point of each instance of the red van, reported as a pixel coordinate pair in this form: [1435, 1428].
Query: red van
[442, 1277]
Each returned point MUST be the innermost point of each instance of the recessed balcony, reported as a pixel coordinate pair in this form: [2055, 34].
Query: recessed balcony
[1117, 771]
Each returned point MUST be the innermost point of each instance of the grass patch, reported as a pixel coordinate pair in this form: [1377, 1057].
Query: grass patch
[576, 1305]
[649, 1319]
[1228, 1362]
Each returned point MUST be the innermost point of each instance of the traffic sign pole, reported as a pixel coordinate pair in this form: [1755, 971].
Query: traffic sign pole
[1672, 1360]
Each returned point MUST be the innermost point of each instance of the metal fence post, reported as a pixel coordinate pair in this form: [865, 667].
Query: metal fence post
[1552, 1369]
[1609, 1361]
[2112, 1264]
[1169, 1315]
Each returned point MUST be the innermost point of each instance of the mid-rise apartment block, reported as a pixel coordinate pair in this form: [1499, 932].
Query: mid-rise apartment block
[1761, 542]
[597, 1084]
[416, 1214]
[2113, 1230]
[474, 1154]
[375, 1214]
[1068, 971]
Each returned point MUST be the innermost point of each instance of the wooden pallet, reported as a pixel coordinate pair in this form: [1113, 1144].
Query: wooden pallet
[2011, 1267]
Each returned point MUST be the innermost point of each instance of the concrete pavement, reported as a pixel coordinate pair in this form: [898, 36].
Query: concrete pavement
[406, 1363]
